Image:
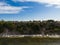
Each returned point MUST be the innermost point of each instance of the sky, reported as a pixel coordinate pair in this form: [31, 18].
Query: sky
[25, 10]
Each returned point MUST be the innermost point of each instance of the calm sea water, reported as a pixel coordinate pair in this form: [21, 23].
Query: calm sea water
[32, 43]
[50, 43]
[17, 42]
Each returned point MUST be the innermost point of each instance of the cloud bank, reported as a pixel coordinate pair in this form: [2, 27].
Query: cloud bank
[7, 9]
[55, 3]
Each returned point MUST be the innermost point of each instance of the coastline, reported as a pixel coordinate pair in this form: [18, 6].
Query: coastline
[41, 36]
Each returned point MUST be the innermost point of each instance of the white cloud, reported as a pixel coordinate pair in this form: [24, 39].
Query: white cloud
[7, 9]
[49, 2]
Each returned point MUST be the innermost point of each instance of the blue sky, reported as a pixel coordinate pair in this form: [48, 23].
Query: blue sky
[23, 10]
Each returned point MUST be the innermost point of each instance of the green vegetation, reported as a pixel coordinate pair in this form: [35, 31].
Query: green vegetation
[30, 27]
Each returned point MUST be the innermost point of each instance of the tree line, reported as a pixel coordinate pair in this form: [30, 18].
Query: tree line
[31, 27]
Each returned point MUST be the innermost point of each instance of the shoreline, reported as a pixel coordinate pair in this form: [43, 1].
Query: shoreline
[41, 36]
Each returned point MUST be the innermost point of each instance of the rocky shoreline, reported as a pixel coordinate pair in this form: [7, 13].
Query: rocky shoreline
[45, 36]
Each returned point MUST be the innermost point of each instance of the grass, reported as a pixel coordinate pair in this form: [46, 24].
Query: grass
[29, 41]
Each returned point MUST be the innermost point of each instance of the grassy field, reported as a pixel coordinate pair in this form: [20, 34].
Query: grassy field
[30, 41]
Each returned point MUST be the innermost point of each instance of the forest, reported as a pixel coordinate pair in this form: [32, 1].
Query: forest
[30, 27]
